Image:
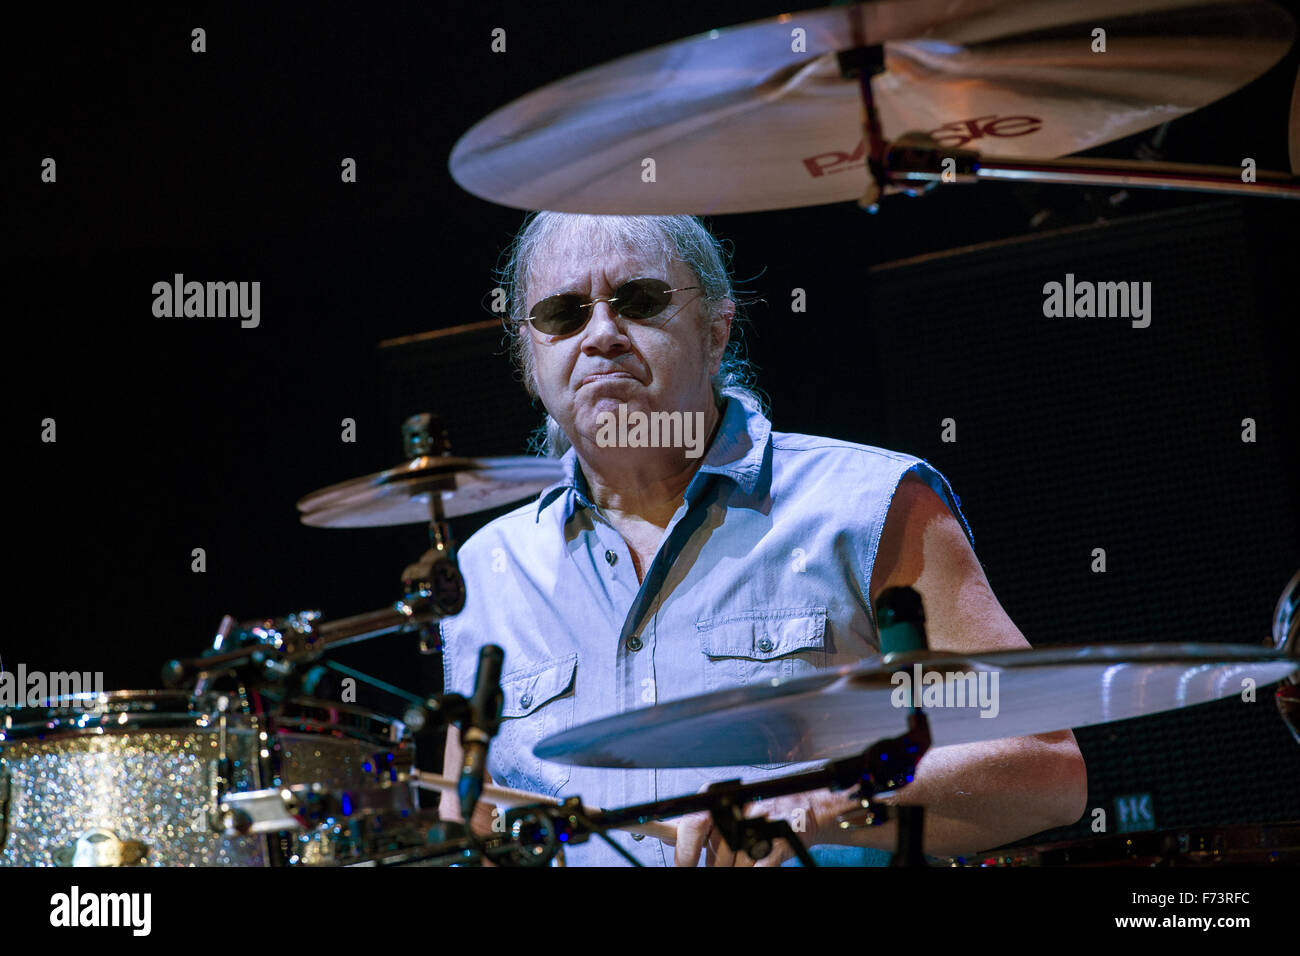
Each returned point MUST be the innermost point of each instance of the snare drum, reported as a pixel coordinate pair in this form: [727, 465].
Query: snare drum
[131, 777]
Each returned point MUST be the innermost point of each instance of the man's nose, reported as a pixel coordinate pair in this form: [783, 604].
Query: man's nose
[606, 330]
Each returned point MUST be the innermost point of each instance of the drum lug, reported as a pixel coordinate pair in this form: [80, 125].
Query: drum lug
[101, 847]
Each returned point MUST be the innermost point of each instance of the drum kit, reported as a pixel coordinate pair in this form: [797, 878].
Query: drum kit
[236, 763]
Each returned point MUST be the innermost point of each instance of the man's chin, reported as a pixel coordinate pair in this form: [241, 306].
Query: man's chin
[606, 413]
[610, 402]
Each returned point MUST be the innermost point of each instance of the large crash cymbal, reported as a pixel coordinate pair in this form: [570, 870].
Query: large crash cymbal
[840, 713]
[736, 120]
[403, 495]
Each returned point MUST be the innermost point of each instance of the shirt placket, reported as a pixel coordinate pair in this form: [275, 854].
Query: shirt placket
[634, 661]
[634, 677]
[613, 560]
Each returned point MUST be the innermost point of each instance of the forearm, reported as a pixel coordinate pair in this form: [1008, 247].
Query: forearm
[449, 804]
[976, 796]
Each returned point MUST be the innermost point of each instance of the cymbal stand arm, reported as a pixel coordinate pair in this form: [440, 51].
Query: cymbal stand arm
[916, 162]
[862, 62]
[754, 835]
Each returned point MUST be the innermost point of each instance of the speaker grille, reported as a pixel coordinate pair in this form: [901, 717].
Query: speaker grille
[1081, 433]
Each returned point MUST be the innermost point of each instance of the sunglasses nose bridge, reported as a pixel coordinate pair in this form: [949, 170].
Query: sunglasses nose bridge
[611, 311]
[601, 336]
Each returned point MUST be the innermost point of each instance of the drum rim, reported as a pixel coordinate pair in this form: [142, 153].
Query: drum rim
[161, 710]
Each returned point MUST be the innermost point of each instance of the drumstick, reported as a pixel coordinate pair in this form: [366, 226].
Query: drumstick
[509, 797]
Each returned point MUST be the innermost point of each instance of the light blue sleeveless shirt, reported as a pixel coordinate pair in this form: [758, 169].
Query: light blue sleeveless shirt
[763, 572]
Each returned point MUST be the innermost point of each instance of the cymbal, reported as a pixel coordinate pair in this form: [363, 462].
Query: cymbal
[403, 495]
[839, 713]
[738, 120]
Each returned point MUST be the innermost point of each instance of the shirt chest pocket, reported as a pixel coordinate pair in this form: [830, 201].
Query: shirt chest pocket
[537, 701]
[762, 646]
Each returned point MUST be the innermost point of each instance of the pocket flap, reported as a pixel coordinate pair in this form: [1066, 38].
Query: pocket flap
[525, 691]
[764, 635]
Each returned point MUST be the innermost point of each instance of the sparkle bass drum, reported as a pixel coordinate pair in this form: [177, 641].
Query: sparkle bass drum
[134, 777]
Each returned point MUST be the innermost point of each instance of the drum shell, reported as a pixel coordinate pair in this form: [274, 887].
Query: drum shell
[143, 764]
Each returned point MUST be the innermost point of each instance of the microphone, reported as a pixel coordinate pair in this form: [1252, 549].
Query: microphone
[479, 727]
[900, 617]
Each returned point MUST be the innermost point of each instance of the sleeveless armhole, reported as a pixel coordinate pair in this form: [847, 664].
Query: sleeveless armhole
[939, 484]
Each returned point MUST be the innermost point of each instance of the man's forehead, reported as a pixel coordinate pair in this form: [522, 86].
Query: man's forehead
[566, 267]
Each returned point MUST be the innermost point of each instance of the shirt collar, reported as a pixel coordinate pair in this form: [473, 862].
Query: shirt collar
[737, 453]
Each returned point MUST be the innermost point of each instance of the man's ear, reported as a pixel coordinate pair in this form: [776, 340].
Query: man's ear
[720, 330]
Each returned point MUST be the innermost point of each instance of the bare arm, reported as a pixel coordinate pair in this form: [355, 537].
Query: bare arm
[449, 805]
[977, 795]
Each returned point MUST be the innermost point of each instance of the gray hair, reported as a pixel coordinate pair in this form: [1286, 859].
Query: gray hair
[681, 238]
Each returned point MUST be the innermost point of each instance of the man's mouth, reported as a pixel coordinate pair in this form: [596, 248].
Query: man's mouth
[604, 376]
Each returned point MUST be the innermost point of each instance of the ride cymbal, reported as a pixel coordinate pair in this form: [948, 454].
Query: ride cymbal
[838, 713]
[758, 116]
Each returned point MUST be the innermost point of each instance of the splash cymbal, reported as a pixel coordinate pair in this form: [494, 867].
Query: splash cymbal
[404, 495]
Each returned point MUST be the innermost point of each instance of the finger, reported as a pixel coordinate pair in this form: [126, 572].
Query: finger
[692, 831]
[723, 855]
[484, 818]
[781, 851]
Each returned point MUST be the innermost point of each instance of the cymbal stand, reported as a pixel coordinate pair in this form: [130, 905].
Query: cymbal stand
[435, 576]
[915, 163]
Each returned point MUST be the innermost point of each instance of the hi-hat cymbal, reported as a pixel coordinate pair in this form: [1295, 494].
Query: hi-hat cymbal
[839, 713]
[403, 495]
[758, 116]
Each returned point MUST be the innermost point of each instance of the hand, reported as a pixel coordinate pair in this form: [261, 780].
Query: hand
[695, 832]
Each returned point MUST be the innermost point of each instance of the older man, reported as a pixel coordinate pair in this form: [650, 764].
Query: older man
[650, 572]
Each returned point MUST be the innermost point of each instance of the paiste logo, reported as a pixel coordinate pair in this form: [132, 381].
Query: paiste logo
[954, 135]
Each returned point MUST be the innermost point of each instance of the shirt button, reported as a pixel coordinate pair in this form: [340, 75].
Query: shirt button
[611, 557]
[634, 643]
[765, 645]
[526, 701]
[638, 837]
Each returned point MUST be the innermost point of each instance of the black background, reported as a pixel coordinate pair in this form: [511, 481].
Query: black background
[177, 434]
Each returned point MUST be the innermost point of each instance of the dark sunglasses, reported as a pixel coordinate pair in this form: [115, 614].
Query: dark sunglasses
[636, 299]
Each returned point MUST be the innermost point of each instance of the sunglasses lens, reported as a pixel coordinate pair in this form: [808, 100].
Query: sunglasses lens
[559, 315]
[566, 314]
[643, 298]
